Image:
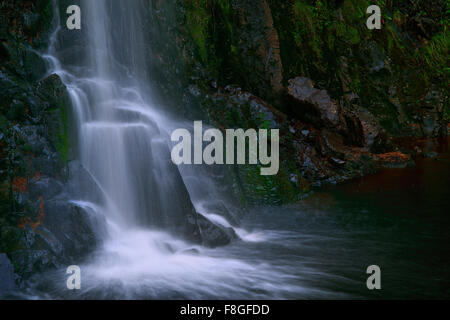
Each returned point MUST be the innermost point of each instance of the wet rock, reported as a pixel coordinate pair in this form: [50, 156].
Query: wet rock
[240, 109]
[310, 163]
[192, 251]
[44, 186]
[432, 106]
[259, 47]
[52, 89]
[312, 105]
[7, 276]
[81, 185]
[63, 235]
[363, 129]
[333, 144]
[33, 261]
[219, 208]
[72, 226]
[323, 157]
[214, 235]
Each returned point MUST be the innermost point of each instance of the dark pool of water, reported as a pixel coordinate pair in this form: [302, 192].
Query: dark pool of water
[319, 248]
[398, 219]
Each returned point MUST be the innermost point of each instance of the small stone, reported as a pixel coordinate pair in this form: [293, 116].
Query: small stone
[338, 161]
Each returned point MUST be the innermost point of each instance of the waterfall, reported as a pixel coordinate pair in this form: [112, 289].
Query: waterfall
[123, 143]
[120, 134]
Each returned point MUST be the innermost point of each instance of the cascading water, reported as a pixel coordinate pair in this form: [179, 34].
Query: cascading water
[120, 143]
[123, 144]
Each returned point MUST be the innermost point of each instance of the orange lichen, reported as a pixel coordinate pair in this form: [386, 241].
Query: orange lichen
[20, 185]
[29, 222]
[393, 157]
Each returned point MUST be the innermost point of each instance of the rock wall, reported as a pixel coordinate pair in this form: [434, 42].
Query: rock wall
[39, 228]
[392, 72]
[346, 93]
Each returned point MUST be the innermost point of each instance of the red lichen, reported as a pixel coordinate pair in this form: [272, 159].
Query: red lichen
[28, 221]
[393, 157]
[20, 185]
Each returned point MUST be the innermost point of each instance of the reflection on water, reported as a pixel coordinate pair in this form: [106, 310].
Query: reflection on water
[319, 248]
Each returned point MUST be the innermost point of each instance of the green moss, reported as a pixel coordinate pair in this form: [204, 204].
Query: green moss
[198, 19]
[354, 11]
[276, 189]
[307, 26]
[435, 54]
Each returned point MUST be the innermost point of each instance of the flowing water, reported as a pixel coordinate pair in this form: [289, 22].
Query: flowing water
[123, 144]
[317, 249]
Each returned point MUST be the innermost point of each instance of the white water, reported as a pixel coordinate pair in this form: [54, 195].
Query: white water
[122, 137]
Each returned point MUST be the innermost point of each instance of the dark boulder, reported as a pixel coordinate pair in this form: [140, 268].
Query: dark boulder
[362, 128]
[212, 234]
[81, 185]
[73, 226]
[312, 105]
[356, 124]
[432, 108]
[234, 108]
[30, 262]
[46, 187]
[199, 229]
[63, 235]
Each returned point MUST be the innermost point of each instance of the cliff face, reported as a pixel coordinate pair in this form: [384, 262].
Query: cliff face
[345, 93]
[39, 229]
[397, 73]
